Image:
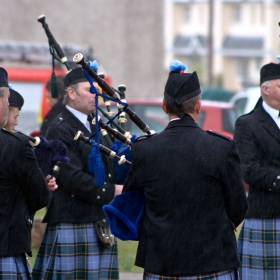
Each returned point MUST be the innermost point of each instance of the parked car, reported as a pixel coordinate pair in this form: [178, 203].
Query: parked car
[216, 116]
[246, 100]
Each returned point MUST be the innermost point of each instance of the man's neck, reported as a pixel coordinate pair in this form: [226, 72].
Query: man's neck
[173, 116]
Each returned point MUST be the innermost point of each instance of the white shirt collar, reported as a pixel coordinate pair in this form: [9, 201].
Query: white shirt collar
[175, 119]
[273, 113]
[79, 115]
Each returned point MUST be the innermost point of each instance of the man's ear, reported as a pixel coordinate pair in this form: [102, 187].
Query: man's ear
[163, 106]
[198, 106]
[71, 93]
[264, 90]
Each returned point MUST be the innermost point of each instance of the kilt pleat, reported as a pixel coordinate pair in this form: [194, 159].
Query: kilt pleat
[73, 251]
[14, 268]
[259, 249]
[223, 275]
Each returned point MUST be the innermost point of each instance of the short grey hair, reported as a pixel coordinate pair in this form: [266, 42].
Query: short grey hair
[188, 106]
[267, 84]
[66, 96]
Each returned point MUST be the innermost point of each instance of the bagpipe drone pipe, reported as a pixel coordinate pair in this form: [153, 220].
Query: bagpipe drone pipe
[49, 153]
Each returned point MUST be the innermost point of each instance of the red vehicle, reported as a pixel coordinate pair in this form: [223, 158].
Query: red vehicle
[216, 116]
[31, 84]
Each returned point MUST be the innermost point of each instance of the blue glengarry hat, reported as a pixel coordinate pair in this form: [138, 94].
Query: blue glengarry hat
[180, 86]
[3, 78]
[270, 71]
[15, 99]
[125, 214]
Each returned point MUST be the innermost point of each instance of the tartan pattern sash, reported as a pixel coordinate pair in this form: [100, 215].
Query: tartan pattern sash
[72, 251]
[259, 249]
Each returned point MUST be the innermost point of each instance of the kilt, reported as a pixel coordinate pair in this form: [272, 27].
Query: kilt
[72, 251]
[259, 249]
[223, 275]
[14, 268]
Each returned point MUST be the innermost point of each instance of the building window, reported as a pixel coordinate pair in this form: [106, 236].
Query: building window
[188, 13]
[242, 71]
[237, 13]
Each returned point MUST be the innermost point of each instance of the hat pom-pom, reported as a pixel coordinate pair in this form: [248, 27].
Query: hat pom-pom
[177, 66]
[93, 65]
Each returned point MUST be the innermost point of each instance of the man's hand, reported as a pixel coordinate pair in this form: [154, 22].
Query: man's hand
[51, 181]
[118, 189]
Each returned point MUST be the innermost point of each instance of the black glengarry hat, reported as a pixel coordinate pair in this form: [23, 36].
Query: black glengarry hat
[270, 71]
[3, 78]
[15, 99]
[75, 76]
[180, 86]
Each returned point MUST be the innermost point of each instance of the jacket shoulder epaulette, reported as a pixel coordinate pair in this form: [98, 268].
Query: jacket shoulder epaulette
[219, 135]
[13, 134]
[143, 137]
[58, 121]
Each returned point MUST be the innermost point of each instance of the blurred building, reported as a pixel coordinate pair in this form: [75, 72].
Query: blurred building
[245, 35]
[135, 40]
[125, 36]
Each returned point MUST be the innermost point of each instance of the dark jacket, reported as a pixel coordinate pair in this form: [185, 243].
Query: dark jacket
[23, 191]
[52, 114]
[77, 198]
[195, 198]
[258, 141]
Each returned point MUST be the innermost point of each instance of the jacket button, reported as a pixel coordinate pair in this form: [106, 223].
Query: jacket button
[278, 177]
[72, 195]
[103, 190]
[98, 197]
[269, 190]
[274, 184]
[104, 220]
[109, 175]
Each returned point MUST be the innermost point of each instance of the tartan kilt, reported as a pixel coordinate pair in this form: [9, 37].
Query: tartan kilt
[15, 268]
[223, 275]
[259, 249]
[73, 251]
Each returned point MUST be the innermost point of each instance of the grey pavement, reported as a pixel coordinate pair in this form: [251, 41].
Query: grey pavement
[131, 275]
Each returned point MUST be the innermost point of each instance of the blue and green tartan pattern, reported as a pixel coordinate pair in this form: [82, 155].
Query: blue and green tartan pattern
[14, 268]
[259, 249]
[72, 251]
[223, 275]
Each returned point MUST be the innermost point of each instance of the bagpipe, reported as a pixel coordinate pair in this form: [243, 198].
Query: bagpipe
[49, 153]
[113, 131]
[125, 213]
